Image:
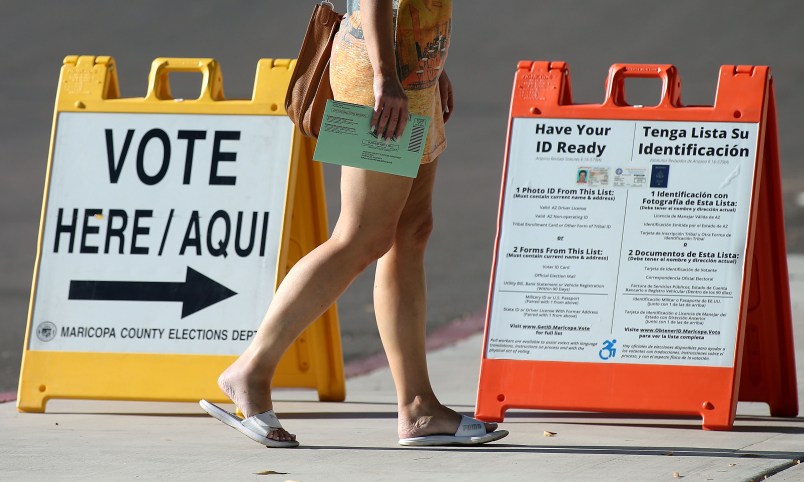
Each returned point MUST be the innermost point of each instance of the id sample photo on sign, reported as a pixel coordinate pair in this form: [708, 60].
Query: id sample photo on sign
[622, 241]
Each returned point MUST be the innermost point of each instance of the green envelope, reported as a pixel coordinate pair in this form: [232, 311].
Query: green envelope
[345, 139]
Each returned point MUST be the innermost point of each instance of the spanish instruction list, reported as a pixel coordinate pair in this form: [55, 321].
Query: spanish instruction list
[622, 241]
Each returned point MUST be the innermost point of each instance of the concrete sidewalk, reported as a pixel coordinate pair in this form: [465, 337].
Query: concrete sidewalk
[356, 440]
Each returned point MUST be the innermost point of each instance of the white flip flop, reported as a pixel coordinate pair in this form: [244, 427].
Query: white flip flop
[257, 427]
[471, 431]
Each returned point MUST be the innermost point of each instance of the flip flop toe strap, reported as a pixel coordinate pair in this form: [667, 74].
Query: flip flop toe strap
[470, 427]
[264, 422]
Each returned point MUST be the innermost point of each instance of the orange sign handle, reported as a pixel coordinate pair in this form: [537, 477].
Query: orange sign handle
[615, 83]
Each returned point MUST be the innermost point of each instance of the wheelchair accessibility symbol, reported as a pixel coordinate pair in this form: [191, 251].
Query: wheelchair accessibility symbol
[608, 350]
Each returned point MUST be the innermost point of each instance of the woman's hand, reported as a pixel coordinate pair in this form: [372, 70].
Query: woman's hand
[390, 107]
[390, 101]
[445, 89]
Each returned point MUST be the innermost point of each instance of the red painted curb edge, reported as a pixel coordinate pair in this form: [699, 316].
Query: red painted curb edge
[444, 336]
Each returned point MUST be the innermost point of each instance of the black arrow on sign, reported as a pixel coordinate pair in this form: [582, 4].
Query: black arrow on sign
[196, 292]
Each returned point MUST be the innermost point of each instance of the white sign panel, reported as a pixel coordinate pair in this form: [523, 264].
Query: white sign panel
[622, 242]
[161, 232]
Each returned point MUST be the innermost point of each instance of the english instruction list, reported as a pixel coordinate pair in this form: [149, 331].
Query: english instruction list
[622, 241]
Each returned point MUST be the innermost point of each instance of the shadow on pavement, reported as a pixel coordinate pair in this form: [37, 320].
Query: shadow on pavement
[585, 450]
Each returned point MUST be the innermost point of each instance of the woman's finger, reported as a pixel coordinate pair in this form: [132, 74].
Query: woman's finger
[375, 117]
[382, 124]
[393, 122]
[404, 115]
[450, 103]
[445, 90]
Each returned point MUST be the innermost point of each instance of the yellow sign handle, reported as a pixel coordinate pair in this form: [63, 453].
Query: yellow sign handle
[159, 83]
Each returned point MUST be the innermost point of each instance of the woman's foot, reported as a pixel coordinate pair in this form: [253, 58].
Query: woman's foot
[423, 417]
[250, 393]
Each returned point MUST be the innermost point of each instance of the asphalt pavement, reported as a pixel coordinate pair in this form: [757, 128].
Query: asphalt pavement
[356, 440]
[488, 40]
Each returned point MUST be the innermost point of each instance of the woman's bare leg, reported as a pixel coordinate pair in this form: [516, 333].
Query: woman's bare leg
[400, 304]
[371, 204]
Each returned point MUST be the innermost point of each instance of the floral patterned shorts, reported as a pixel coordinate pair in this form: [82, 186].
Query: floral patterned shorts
[422, 42]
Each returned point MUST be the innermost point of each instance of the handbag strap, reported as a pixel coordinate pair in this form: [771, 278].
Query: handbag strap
[325, 11]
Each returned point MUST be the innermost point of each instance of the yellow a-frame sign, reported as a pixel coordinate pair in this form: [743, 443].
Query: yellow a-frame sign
[166, 226]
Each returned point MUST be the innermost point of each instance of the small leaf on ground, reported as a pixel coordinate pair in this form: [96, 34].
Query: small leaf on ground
[270, 472]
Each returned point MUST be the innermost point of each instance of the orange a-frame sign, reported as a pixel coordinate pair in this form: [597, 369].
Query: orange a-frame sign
[640, 261]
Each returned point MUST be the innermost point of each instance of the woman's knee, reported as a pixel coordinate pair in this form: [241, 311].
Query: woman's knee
[379, 243]
[365, 245]
[414, 232]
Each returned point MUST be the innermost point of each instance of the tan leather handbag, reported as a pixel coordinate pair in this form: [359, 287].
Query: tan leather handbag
[309, 86]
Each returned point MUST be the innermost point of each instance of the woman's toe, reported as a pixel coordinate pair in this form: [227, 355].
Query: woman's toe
[280, 435]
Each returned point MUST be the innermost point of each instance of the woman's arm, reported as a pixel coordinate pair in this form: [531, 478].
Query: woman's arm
[390, 102]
